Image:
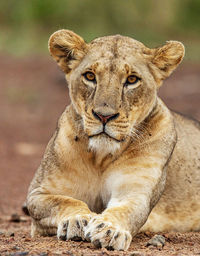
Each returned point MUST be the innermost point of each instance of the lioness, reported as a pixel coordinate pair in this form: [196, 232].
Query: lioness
[119, 158]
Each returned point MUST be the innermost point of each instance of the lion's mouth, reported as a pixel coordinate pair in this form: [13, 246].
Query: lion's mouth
[103, 133]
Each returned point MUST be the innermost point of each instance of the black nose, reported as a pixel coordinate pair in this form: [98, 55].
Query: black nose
[104, 118]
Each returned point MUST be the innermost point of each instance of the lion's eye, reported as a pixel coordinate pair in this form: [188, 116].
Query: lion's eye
[90, 76]
[132, 79]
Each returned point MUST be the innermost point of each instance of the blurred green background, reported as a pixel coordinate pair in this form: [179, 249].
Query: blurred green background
[25, 25]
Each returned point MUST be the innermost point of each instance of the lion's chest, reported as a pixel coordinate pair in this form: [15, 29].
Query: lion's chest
[84, 184]
[80, 174]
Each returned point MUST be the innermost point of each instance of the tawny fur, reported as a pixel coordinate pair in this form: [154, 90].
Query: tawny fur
[141, 173]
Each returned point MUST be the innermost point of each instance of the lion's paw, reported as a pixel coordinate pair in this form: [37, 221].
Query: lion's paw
[104, 234]
[72, 228]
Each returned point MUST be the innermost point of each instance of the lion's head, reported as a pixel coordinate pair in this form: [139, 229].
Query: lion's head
[113, 81]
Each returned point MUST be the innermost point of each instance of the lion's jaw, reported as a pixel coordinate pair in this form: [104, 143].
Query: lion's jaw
[102, 138]
[103, 144]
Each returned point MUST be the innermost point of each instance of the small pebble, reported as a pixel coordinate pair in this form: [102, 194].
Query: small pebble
[57, 253]
[69, 253]
[27, 239]
[2, 232]
[167, 236]
[10, 233]
[136, 253]
[147, 233]
[19, 254]
[16, 248]
[15, 217]
[157, 241]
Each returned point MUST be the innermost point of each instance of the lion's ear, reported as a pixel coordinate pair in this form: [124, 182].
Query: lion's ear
[66, 48]
[165, 59]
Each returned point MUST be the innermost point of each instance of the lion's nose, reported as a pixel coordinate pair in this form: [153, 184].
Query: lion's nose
[104, 119]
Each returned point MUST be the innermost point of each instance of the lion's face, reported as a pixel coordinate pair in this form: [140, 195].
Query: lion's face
[113, 82]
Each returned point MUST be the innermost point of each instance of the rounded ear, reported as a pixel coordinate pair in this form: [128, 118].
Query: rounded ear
[165, 59]
[66, 48]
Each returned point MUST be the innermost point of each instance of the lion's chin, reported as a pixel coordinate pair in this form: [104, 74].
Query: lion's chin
[103, 144]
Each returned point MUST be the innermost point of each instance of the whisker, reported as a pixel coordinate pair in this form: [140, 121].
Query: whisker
[118, 126]
[120, 122]
[94, 123]
[138, 133]
[89, 118]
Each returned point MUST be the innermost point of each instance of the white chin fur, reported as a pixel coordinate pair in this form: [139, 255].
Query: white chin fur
[104, 145]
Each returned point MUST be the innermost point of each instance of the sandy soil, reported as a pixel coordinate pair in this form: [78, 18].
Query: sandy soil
[32, 96]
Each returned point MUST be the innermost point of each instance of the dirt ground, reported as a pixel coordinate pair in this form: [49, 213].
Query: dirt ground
[32, 96]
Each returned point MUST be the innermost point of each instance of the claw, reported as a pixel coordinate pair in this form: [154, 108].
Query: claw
[110, 248]
[108, 232]
[88, 237]
[116, 236]
[78, 225]
[85, 222]
[76, 238]
[100, 225]
[65, 226]
[97, 243]
[63, 238]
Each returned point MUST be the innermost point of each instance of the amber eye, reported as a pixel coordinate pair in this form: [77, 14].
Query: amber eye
[132, 79]
[90, 76]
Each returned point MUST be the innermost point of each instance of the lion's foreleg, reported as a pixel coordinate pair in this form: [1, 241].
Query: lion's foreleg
[59, 214]
[132, 197]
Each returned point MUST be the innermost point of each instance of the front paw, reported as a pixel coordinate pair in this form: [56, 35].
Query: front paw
[72, 228]
[107, 234]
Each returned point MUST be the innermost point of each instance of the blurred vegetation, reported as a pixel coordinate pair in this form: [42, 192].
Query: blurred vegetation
[25, 25]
